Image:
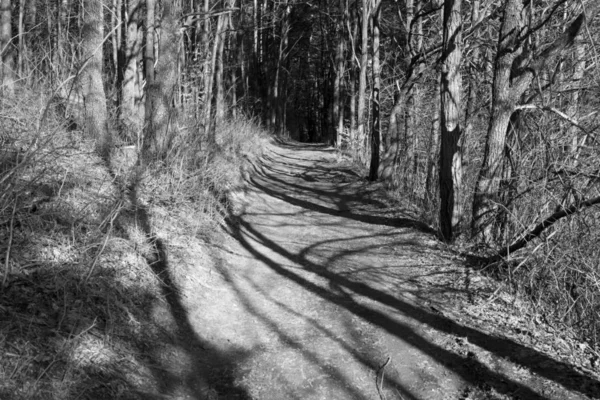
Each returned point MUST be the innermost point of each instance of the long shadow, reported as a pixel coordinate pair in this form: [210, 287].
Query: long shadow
[197, 380]
[302, 146]
[343, 211]
[311, 356]
[537, 362]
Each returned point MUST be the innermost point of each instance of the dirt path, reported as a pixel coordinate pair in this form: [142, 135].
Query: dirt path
[328, 295]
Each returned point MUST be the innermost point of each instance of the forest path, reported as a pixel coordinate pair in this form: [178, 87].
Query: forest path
[322, 259]
[328, 289]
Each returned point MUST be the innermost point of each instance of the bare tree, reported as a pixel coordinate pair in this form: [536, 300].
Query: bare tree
[160, 113]
[376, 122]
[361, 137]
[7, 73]
[516, 66]
[95, 112]
[130, 93]
[450, 152]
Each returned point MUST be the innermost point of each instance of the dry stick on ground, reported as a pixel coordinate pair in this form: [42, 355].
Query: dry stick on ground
[7, 268]
[539, 228]
[379, 384]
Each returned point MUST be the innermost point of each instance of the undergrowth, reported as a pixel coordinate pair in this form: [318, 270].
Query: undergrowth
[82, 313]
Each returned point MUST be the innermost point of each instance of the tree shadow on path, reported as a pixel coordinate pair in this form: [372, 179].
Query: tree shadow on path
[269, 180]
[211, 371]
[468, 367]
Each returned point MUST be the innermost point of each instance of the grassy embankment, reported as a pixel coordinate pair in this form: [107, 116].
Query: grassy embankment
[85, 311]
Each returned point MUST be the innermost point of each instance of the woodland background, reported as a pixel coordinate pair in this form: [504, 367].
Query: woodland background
[483, 114]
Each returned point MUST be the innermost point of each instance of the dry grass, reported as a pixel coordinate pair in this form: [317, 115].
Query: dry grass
[81, 313]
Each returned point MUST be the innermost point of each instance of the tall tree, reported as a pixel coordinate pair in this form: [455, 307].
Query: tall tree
[95, 112]
[7, 73]
[376, 123]
[130, 93]
[161, 115]
[361, 135]
[450, 174]
[338, 111]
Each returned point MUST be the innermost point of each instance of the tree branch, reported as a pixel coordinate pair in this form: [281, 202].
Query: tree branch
[546, 223]
[553, 110]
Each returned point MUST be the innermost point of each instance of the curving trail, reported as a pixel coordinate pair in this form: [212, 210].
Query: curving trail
[323, 268]
[328, 293]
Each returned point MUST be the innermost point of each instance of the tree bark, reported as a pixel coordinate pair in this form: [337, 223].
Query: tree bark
[433, 155]
[219, 66]
[7, 73]
[353, 75]
[21, 27]
[376, 124]
[450, 173]
[210, 80]
[362, 80]
[160, 113]
[337, 109]
[95, 112]
[129, 92]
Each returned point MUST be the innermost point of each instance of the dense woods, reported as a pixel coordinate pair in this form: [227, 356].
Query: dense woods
[483, 114]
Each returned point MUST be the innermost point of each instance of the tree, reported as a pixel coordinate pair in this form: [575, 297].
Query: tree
[362, 77]
[160, 112]
[95, 112]
[338, 111]
[450, 174]
[515, 67]
[130, 92]
[6, 48]
[376, 122]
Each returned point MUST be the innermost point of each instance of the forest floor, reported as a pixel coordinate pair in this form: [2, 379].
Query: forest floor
[331, 291]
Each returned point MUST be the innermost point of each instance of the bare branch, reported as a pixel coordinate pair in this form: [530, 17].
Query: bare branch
[555, 111]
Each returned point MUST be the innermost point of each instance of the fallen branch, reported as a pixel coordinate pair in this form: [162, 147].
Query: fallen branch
[546, 223]
[379, 381]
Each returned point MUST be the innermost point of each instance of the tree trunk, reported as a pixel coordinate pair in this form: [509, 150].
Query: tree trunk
[149, 49]
[219, 67]
[160, 113]
[474, 81]
[407, 143]
[450, 174]
[433, 155]
[30, 14]
[391, 156]
[129, 94]
[7, 73]
[210, 79]
[95, 112]
[353, 79]
[282, 91]
[362, 80]
[21, 59]
[117, 41]
[376, 128]
[337, 109]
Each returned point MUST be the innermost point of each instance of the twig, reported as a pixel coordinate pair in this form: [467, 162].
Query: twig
[7, 268]
[379, 383]
[98, 255]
